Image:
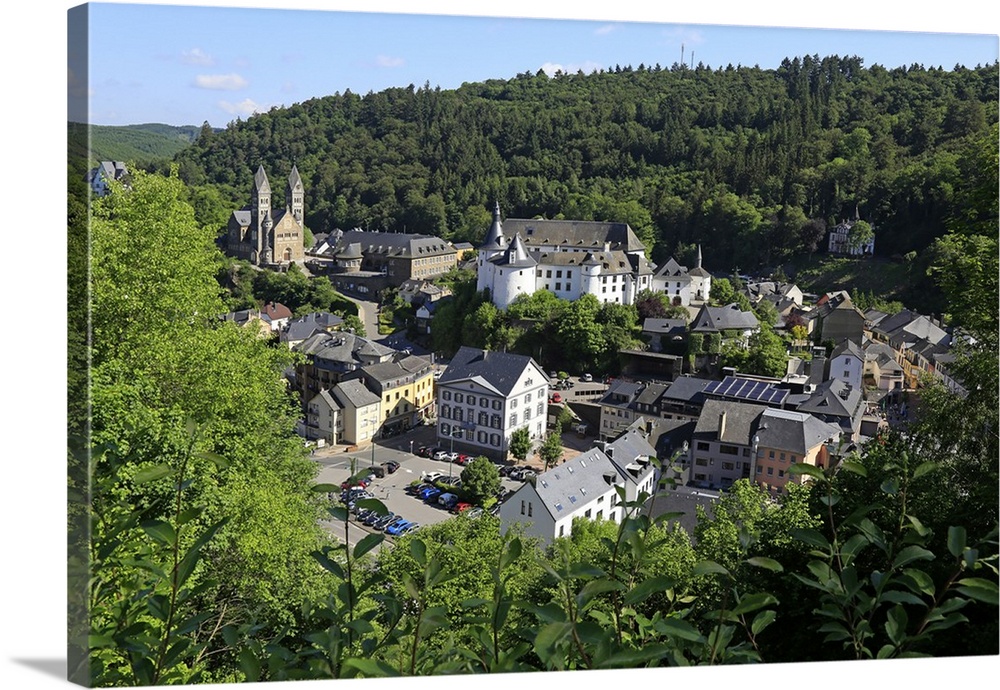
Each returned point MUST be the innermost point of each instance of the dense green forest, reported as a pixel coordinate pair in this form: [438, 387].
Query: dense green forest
[752, 163]
[195, 547]
[140, 144]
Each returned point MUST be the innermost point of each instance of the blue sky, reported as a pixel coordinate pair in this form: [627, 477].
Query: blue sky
[187, 64]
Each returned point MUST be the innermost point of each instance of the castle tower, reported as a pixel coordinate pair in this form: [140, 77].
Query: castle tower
[591, 282]
[295, 196]
[494, 245]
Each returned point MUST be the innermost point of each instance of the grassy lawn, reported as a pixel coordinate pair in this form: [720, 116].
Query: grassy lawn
[884, 278]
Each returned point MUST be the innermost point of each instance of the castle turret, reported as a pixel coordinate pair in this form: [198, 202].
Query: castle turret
[591, 282]
[494, 245]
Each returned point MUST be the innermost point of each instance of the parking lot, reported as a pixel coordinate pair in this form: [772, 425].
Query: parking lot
[391, 489]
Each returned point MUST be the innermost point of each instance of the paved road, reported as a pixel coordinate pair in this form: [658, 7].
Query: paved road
[334, 468]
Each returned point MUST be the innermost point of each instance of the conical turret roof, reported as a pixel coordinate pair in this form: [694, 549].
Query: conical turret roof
[517, 254]
[494, 238]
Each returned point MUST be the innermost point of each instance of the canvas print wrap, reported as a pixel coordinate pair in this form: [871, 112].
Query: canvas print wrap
[643, 346]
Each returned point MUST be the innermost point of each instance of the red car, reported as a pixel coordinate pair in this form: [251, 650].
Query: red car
[556, 398]
[460, 507]
[464, 459]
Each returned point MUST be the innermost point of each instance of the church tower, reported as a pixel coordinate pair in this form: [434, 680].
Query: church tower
[295, 196]
[260, 207]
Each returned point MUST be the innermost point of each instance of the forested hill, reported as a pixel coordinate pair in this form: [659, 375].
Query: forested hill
[752, 163]
[136, 143]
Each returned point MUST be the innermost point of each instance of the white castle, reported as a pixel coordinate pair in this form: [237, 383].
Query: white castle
[568, 258]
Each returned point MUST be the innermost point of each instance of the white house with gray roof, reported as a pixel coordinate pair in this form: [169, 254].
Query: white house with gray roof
[847, 364]
[683, 286]
[565, 257]
[483, 397]
[585, 487]
[106, 172]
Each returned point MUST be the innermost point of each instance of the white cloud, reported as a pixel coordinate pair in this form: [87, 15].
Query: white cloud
[220, 82]
[550, 68]
[387, 61]
[245, 107]
[196, 56]
[605, 30]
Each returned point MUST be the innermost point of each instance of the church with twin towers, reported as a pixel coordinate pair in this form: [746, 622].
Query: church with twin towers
[264, 233]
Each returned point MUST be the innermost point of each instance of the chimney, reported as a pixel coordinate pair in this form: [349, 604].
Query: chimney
[610, 451]
[722, 424]
[607, 246]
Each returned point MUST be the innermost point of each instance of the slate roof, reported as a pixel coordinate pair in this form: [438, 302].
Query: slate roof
[342, 347]
[652, 325]
[352, 393]
[516, 255]
[797, 432]
[687, 389]
[242, 216]
[651, 393]
[672, 269]
[260, 180]
[847, 347]
[494, 236]
[329, 399]
[741, 422]
[630, 454]
[621, 393]
[302, 328]
[575, 482]
[835, 399]
[497, 370]
[580, 234]
[730, 317]
[391, 244]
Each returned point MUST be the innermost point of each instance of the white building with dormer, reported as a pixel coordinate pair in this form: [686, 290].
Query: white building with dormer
[682, 286]
[483, 397]
[566, 258]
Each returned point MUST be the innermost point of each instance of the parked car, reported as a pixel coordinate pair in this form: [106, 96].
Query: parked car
[556, 398]
[424, 451]
[406, 529]
[447, 500]
[390, 466]
[474, 512]
[429, 493]
[586, 378]
[459, 507]
[396, 528]
[431, 476]
[440, 455]
[504, 470]
[553, 375]
[464, 459]
[382, 522]
[372, 518]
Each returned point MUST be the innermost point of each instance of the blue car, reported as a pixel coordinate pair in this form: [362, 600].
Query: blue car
[429, 493]
[398, 527]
